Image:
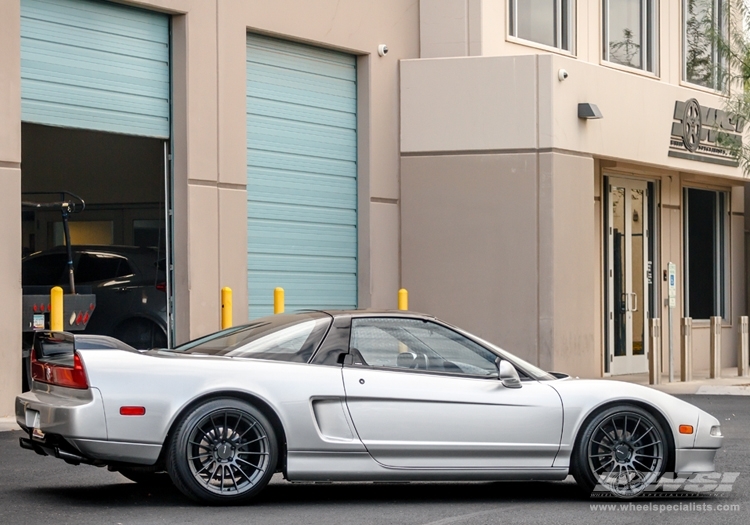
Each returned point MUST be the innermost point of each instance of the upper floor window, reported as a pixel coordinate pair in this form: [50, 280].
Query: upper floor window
[547, 22]
[703, 20]
[630, 33]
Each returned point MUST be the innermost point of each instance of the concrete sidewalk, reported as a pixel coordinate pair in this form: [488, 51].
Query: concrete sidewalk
[727, 385]
[8, 423]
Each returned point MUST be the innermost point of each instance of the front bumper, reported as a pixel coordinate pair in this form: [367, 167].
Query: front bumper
[691, 460]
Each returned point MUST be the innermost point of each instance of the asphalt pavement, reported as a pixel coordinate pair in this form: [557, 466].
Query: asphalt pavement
[42, 490]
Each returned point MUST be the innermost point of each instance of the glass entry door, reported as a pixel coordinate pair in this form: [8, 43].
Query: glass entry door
[627, 272]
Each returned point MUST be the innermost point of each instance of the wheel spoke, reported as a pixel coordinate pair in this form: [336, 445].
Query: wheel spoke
[635, 427]
[256, 467]
[243, 472]
[199, 445]
[199, 456]
[251, 442]
[224, 430]
[246, 431]
[208, 480]
[643, 436]
[208, 464]
[601, 444]
[216, 429]
[646, 446]
[234, 480]
[260, 453]
[221, 487]
[603, 465]
[648, 469]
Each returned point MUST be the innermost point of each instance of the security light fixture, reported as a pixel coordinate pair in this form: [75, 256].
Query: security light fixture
[589, 111]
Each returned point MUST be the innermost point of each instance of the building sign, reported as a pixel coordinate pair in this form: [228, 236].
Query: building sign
[695, 131]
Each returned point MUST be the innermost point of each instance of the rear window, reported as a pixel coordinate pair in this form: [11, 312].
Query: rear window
[276, 338]
[93, 267]
[44, 270]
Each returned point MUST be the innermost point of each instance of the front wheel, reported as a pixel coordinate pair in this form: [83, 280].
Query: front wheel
[622, 451]
[223, 452]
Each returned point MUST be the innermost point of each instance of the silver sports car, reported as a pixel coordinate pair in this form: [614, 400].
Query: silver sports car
[348, 396]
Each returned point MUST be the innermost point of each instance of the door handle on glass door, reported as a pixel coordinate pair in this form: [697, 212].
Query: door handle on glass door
[634, 306]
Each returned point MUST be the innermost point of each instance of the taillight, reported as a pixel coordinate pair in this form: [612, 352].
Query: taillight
[60, 375]
[162, 286]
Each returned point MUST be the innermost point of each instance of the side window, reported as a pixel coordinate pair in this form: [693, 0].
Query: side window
[44, 270]
[93, 267]
[417, 345]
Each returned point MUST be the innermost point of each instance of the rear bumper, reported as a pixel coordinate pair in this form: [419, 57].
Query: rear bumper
[66, 412]
[74, 427]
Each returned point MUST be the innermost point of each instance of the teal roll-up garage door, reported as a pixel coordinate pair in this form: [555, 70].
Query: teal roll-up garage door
[95, 65]
[301, 175]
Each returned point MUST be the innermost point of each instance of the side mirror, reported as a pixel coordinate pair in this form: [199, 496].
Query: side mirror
[508, 374]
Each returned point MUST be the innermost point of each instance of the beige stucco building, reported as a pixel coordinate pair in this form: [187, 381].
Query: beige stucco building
[476, 185]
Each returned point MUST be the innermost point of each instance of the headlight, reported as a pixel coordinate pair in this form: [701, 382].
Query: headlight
[716, 431]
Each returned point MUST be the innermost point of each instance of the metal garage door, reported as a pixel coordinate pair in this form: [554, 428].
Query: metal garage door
[95, 65]
[301, 175]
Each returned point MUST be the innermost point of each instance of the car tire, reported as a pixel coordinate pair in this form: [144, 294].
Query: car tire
[222, 452]
[621, 451]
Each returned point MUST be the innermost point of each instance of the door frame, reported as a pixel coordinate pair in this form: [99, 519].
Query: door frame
[649, 305]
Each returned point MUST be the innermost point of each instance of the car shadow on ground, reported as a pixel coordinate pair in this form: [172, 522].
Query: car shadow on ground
[280, 492]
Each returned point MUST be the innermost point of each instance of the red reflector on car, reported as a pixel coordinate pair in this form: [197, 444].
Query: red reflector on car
[132, 411]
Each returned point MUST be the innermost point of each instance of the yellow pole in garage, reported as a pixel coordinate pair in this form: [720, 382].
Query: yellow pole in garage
[278, 301]
[226, 307]
[403, 299]
[56, 309]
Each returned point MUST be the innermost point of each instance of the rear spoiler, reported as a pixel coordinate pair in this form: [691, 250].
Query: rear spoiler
[51, 345]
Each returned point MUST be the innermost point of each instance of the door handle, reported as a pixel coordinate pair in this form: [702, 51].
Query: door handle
[625, 302]
[634, 307]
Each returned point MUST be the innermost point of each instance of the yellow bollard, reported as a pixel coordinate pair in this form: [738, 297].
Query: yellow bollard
[56, 309]
[226, 307]
[278, 300]
[403, 299]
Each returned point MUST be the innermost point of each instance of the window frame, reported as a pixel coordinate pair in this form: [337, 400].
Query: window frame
[564, 32]
[649, 37]
[525, 375]
[421, 371]
[721, 256]
[717, 60]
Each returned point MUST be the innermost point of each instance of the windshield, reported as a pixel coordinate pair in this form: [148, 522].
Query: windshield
[280, 338]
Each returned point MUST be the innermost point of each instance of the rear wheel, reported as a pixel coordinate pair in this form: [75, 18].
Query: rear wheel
[223, 452]
[622, 451]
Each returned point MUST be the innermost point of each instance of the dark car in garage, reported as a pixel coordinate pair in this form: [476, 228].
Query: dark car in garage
[129, 283]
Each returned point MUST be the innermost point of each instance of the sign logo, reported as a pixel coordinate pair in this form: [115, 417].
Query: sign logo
[691, 125]
[696, 132]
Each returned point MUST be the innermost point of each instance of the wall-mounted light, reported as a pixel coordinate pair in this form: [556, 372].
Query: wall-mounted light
[589, 111]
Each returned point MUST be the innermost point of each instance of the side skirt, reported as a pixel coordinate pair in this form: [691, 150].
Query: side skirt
[359, 466]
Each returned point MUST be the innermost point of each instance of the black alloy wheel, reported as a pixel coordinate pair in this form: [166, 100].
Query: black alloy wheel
[622, 451]
[223, 452]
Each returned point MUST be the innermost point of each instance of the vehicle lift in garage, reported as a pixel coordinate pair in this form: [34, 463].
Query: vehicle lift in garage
[78, 305]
